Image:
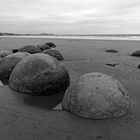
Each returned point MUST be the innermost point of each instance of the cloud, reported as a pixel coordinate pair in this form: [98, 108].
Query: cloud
[70, 16]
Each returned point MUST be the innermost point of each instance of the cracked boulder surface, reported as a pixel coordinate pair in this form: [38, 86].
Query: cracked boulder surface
[8, 63]
[96, 96]
[4, 53]
[30, 49]
[39, 74]
[54, 53]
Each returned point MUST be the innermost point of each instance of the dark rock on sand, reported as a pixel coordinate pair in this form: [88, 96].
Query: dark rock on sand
[112, 51]
[4, 53]
[51, 44]
[54, 53]
[43, 47]
[39, 74]
[96, 96]
[136, 53]
[112, 65]
[30, 49]
[139, 66]
[15, 50]
[8, 63]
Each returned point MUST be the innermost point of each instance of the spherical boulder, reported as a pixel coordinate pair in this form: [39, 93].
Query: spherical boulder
[4, 53]
[54, 53]
[39, 74]
[112, 51]
[8, 63]
[136, 53]
[96, 96]
[43, 47]
[51, 44]
[30, 49]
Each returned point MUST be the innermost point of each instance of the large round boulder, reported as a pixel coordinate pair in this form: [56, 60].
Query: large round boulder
[136, 53]
[96, 96]
[8, 63]
[43, 47]
[54, 53]
[30, 49]
[51, 44]
[4, 53]
[39, 74]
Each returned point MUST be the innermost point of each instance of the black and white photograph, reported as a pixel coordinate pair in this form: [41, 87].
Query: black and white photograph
[69, 69]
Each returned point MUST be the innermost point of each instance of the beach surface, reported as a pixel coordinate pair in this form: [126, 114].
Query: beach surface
[24, 117]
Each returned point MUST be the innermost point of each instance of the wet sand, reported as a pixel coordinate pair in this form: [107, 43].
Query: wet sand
[39, 118]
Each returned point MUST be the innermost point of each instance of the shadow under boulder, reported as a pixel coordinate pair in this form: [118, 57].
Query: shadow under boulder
[15, 50]
[54, 53]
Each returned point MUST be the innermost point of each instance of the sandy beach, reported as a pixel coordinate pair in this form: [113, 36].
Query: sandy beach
[24, 117]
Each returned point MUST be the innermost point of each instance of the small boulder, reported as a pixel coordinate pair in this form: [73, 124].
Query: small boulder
[112, 51]
[4, 53]
[96, 96]
[39, 74]
[15, 50]
[8, 63]
[43, 47]
[30, 49]
[136, 53]
[139, 66]
[54, 53]
[51, 44]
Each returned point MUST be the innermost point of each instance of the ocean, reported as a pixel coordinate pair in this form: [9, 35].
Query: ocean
[134, 37]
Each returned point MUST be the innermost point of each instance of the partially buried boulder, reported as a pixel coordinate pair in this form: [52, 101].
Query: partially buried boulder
[54, 53]
[8, 63]
[136, 53]
[39, 74]
[4, 53]
[96, 96]
[51, 44]
[30, 49]
[112, 51]
[43, 47]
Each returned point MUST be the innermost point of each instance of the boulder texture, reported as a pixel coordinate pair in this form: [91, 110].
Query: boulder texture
[112, 51]
[30, 49]
[39, 74]
[96, 96]
[136, 53]
[43, 47]
[51, 44]
[54, 53]
[9, 62]
[4, 53]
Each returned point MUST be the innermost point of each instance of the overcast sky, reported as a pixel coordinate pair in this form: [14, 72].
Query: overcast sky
[70, 16]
